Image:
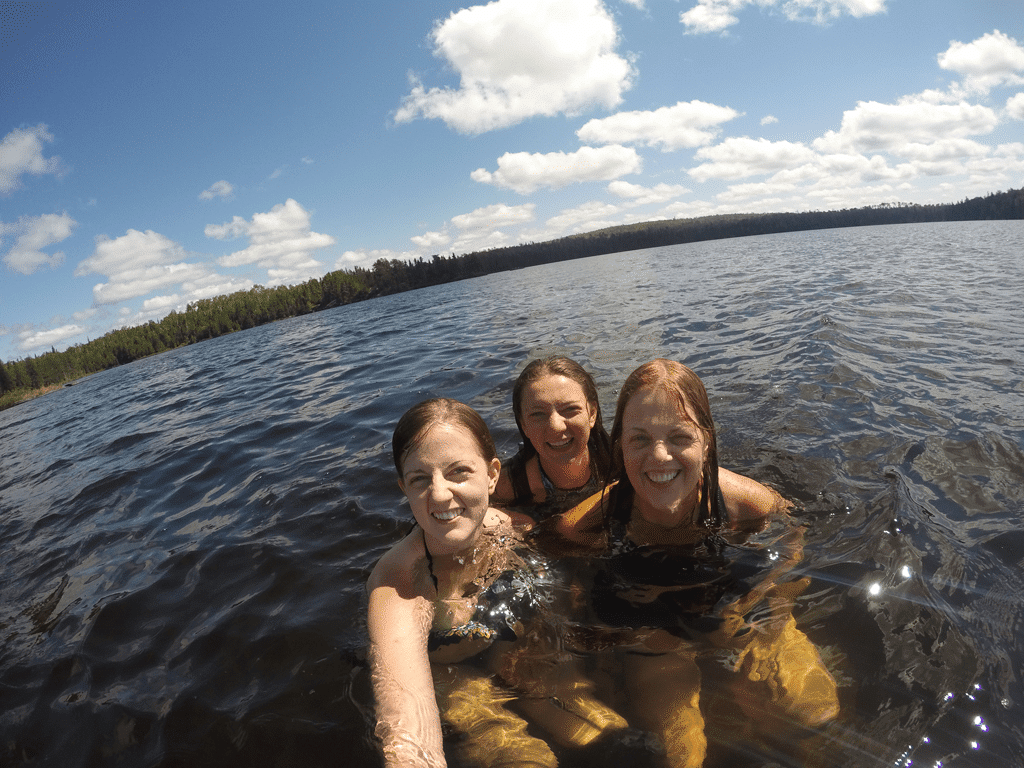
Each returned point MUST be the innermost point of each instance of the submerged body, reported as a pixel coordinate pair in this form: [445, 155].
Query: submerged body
[672, 581]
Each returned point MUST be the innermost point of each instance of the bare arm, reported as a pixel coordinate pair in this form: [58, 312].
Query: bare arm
[398, 622]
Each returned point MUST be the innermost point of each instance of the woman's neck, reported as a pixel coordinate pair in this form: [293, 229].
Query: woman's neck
[642, 531]
[574, 473]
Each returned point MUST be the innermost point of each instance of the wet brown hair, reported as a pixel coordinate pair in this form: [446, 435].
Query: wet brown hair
[415, 423]
[600, 443]
[685, 386]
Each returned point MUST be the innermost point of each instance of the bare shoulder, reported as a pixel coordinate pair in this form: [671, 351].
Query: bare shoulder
[747, 499]
[401, 568]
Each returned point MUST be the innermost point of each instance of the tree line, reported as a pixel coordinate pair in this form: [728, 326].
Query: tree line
[209, 318]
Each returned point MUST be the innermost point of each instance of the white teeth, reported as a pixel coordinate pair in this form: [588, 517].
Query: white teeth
[446, 516]
[564, 442]
[661, 477]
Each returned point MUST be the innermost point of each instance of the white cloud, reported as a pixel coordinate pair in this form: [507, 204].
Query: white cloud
[1015, 106]
[21, 151]
[736, 158]
[717, 15]
[525, 173]
[517, 59]
[769, 119]
[873, 127]
[494, 216]
[136, 264]
[586, 217]
[640, 195]
[350, 259]
[639, 4]
[992, 60]
[33, 233]
[430, 240]
[686, 124]
[281, 241]
[32, 340]
[222, 189]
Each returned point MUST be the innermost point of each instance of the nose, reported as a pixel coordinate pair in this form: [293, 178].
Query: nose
[439, 491]
[660, 451]
[556, 422]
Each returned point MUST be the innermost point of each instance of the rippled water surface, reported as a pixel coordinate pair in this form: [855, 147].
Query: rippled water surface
[186, 538]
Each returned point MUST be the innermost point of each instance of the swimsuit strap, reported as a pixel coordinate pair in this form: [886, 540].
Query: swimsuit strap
[430, 561]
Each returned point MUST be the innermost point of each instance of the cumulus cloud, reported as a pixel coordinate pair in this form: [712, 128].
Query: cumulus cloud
[687, 124]
[640, 195]
[137, 263]
[430, 240]
[586, 217]
[1015, 106]
[281, 241]
[769, 119]
[33, 234]
[21, 152]
[873, 127]
[222, 189]
[32, 340]
[736, 158]
[717, 15]
[494, 216]
[518, 59]
[992, 60]
[525, 173]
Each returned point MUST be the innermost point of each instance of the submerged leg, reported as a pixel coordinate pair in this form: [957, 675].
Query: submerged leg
[783, 680]
[556, 694]
[492, 736]
[573, 715]
[666, 694]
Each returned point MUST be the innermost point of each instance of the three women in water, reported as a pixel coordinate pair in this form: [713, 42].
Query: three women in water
[435, 595]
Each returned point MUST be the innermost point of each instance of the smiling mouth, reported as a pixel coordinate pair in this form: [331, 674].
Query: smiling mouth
[661, 478]
[447, 516]
[561, 444]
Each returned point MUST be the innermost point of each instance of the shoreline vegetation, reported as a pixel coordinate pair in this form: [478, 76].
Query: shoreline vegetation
[26, 378]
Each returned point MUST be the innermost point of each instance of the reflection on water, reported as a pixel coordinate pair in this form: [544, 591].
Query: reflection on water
[187, 537]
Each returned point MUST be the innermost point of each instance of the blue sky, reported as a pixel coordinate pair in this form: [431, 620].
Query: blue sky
[152, 154]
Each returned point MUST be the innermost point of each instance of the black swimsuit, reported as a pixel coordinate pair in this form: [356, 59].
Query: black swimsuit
[672, 587]
[500, 607]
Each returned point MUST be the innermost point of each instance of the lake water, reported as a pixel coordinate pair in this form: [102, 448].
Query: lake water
[186, 538]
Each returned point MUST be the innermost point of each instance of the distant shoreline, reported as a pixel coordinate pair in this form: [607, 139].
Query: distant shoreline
[31, 377]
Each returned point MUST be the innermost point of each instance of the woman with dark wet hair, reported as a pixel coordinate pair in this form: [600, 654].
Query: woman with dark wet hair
[565, 454]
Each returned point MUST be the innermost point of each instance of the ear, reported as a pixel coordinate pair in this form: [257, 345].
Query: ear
[401, 487]
[593, 414]
[493, 473]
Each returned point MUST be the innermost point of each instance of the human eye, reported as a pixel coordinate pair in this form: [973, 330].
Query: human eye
[460, 472]
[417, 481]
[681, 438]
[638, 440]
[569, 411]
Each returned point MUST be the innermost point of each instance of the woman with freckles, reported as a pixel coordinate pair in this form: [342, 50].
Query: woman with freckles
[674, 581]
[439, 597]
[451, 594]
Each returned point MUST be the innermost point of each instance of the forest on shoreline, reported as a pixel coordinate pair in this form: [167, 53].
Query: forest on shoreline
[210, 318]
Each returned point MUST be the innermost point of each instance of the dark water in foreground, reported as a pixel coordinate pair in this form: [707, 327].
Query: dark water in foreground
[186, 538]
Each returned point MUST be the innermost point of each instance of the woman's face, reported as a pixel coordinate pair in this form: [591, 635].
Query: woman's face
[448, 483]
[663, 453]
[557, 418]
